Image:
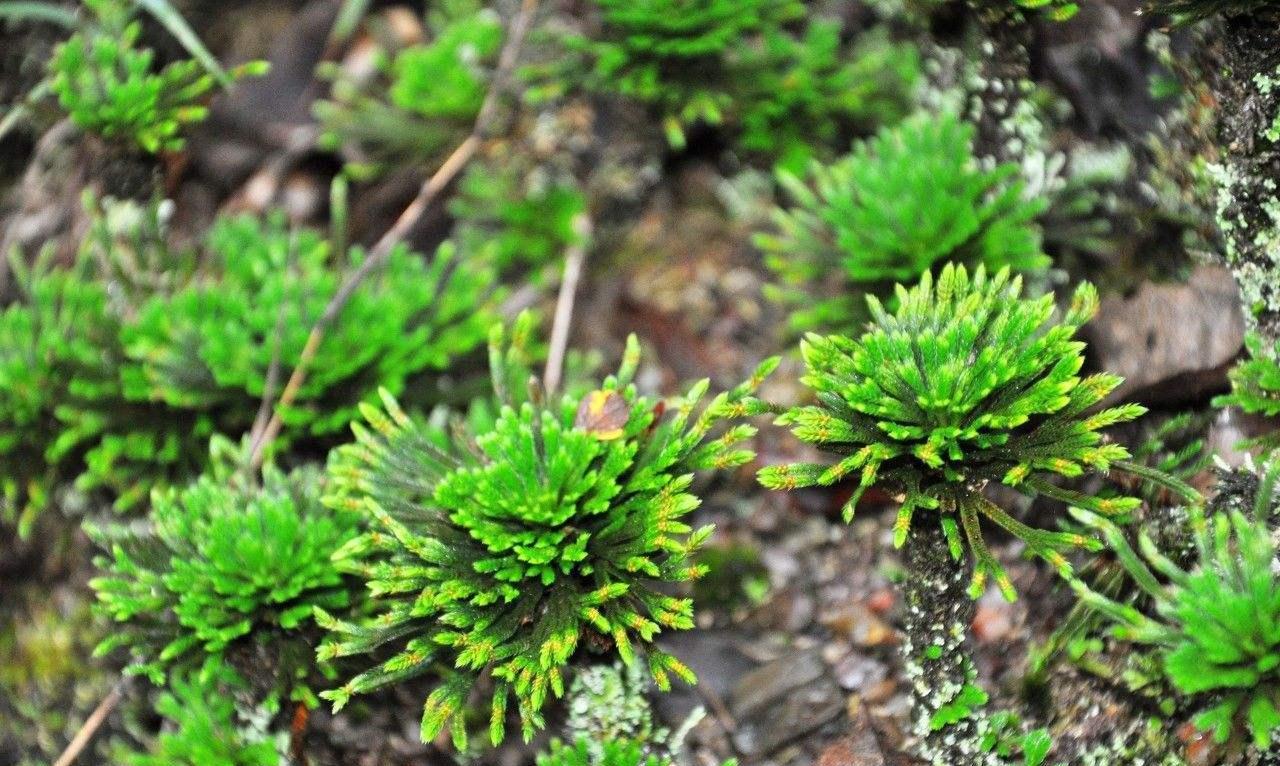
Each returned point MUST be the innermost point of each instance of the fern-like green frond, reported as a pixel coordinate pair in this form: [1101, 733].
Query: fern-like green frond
[209, 345]
[64, 416]
[799, 93]
[1255, 382]
[675, 54]
[421, 100]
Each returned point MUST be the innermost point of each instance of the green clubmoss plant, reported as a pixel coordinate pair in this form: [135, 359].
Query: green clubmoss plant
[201, 727]
[422, 99]
[222, 560]
[209, 345]
[64, 417]
[555, 526]
[676, 54]
[1215, 624]
[965, 383]
[1175, 448]
[109, 85]
[119, 367]
[1255, 382]
[911, 197]
[512, 219]
[799, 93]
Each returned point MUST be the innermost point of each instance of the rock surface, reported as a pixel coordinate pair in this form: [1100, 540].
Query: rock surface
[1170, 342]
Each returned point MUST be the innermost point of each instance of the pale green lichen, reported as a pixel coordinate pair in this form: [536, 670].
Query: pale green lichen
[1268, 84]
[607, 703]
[1251, 248]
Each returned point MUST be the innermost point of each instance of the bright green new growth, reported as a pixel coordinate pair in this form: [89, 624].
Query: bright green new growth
[1255, 383]
[1217, 625]
[909, 198]
[798, 93]
[1058, 10]
[203, 729]
[1186, 11]
[108, 85]
[554, 526]
[964, 383]
[223, 560]
[208, 346]
[674, 54]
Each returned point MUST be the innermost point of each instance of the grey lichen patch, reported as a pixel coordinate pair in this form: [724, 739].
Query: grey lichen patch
[936, 658]
[1135, 750]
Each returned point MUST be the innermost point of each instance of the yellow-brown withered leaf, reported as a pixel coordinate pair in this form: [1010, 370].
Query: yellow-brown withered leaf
[603, 414]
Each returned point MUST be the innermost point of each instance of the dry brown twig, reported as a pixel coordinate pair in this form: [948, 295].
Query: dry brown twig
[91, 725]
[574, 260]
[427, 195]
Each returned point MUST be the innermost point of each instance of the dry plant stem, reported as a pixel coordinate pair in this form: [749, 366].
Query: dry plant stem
[719, 710]
[427, 195]
[268, 394]
[574, 260]
[91, 726]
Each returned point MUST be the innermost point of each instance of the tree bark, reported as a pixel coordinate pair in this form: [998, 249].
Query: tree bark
[1246, 83]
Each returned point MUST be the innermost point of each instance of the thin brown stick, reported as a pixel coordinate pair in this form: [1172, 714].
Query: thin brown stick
[574, 259]
[427, 195]
[272, 382]
[91, 725]
[719, 710]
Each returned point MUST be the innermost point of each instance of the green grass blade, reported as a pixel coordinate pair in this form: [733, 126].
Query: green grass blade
[168, 16]
[27, 10]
